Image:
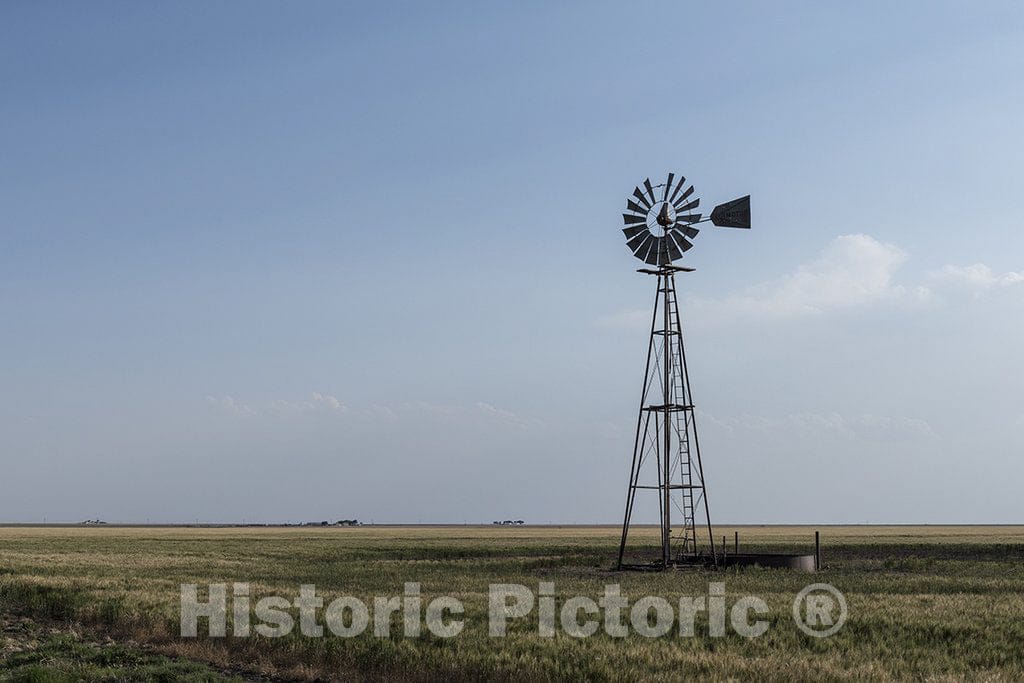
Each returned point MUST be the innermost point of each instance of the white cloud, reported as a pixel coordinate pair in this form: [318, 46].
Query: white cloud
[976, 277]
[325, 404]
[476, 411]
[854, 270]
[318, 403]
[230, 405]
[379, 411]
[506, 417]
[328, 402]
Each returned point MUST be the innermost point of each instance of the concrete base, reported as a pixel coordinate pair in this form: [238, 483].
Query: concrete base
[804, 563]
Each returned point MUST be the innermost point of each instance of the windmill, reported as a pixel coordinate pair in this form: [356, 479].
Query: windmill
[660, 226]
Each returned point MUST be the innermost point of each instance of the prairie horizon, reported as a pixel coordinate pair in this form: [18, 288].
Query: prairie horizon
[122, 584]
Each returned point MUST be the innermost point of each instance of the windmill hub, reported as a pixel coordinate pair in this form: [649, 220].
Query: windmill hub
[667, 215]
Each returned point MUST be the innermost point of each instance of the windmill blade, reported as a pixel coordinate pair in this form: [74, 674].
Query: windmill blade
[657, 252]
[688, 205]
[629, 219]
[682, 181]
[634, 231]
[640, 196]
[687, 230]
[665, 258]
[638, 240]
[683, 243]
[733, 214]
[645, 248]
[650, 190]
[663, 255]
[641, 251]
[633, 206]
[688, 218]
[683, 196]
[668, 186]
[673, 250]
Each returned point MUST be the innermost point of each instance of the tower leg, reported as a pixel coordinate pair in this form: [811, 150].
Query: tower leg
[634, 471]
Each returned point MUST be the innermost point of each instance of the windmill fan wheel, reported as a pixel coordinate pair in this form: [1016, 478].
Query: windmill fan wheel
[658, 221]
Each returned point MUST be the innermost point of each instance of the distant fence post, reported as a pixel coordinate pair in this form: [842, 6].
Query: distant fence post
[817, 551]
[736, 543]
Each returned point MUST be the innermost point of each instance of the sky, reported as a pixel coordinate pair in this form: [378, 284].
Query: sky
[272, 262]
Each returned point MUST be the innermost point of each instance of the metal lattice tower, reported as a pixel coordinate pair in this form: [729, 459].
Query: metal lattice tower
[666, 450]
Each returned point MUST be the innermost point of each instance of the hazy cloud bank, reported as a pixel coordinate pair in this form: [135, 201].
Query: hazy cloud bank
[853, 271]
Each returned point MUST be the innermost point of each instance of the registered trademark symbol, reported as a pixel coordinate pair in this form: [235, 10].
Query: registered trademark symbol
[819, 610]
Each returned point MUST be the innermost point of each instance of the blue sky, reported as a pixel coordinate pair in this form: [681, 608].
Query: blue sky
[264, 261]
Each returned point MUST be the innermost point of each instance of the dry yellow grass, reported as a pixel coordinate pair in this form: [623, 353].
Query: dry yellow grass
[938, 602]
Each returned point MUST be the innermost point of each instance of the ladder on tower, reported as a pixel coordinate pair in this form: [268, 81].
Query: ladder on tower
[681, 423]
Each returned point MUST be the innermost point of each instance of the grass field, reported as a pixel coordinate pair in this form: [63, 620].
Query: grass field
[938, 603]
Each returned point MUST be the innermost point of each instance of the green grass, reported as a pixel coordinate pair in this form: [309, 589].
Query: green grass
[941, 603]
[65, 659]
